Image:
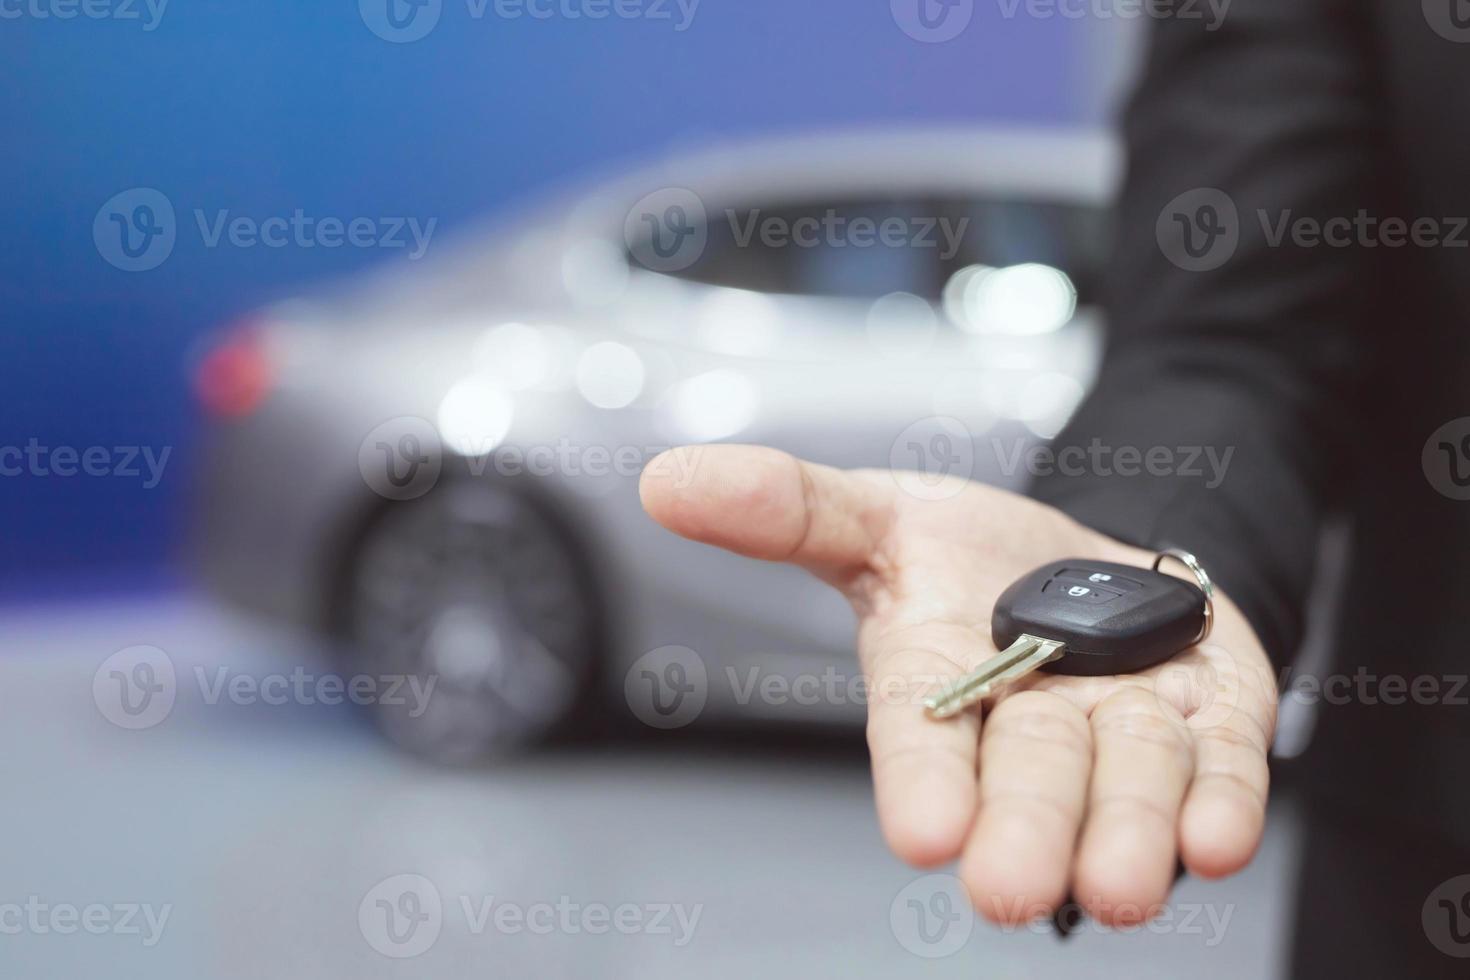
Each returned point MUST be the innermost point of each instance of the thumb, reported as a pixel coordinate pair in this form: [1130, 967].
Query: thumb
[767, 504]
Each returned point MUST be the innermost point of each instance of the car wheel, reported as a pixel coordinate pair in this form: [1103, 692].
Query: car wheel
[475, 603]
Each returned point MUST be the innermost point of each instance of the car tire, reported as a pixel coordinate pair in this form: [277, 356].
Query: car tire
[475, 601]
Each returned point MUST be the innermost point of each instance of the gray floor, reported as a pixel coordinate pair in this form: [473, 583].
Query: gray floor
[264, 831]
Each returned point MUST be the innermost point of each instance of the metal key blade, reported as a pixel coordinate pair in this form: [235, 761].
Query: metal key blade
[1015, 661]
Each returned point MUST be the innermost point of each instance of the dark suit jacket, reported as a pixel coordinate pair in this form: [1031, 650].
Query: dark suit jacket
[1327, 366]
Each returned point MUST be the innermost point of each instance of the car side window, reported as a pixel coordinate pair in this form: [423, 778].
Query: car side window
[865, 248]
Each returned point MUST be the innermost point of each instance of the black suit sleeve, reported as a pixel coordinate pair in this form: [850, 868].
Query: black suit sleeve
[1241, 343]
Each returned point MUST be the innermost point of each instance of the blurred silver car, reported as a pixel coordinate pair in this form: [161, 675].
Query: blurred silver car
[437, 466]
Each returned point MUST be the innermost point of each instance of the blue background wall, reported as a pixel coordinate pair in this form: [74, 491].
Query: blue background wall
[265, 106]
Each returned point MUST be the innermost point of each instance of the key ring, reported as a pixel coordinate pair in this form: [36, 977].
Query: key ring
[1201, 576]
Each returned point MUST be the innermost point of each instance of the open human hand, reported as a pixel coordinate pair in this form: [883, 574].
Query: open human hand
[1090, 784]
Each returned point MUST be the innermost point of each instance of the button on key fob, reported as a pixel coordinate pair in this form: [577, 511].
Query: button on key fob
[1084, 618]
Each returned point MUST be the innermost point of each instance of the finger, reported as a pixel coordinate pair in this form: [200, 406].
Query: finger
[1035, 758]
[1142, 763]
[767, 504]
[1229, 705]
[923, 769]
[1224, 814]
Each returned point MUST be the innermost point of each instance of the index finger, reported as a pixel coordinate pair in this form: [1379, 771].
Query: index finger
[924, 770]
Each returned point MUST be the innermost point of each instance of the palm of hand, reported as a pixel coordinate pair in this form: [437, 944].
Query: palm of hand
[1093, 784]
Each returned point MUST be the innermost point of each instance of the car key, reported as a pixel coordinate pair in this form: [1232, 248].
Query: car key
[1086, 618]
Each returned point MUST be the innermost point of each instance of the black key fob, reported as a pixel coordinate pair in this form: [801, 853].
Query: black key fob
[1112, 619]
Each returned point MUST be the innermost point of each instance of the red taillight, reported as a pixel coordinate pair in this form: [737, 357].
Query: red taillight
[234, 378]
